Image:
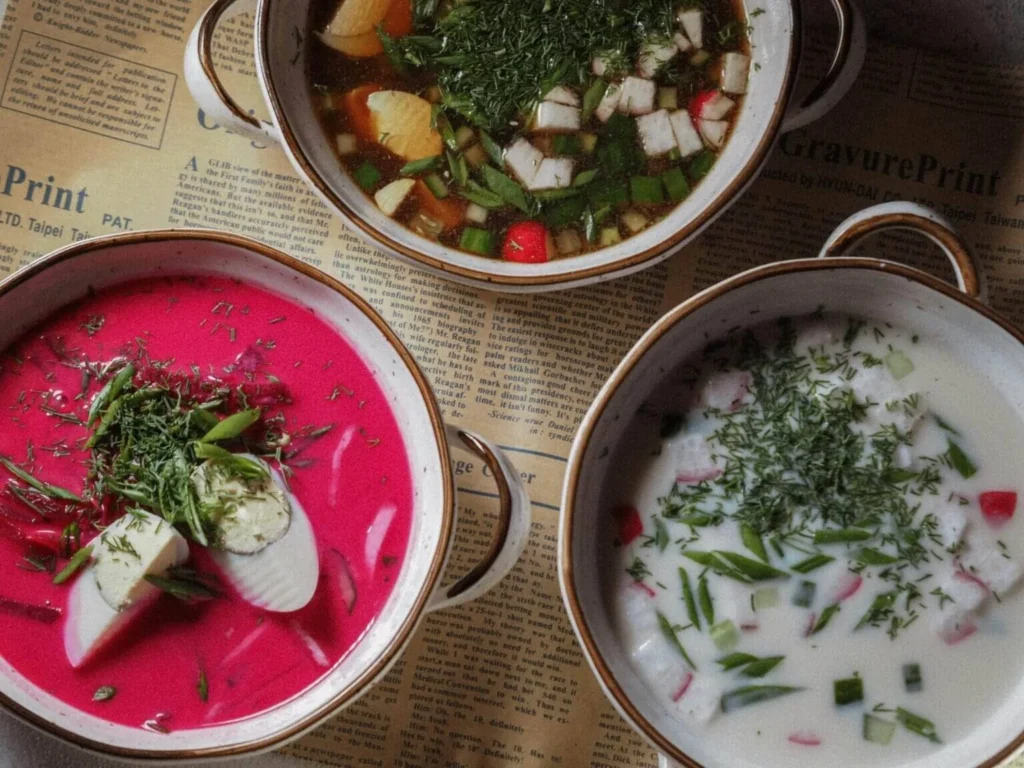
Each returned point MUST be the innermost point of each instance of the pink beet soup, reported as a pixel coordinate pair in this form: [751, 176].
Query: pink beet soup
[324, 423]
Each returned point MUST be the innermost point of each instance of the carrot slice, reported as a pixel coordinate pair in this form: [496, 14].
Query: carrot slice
[360, 118]
[448, 213]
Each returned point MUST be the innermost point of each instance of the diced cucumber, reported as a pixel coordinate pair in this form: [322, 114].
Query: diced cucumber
[612, 193]
[812, 563]
[609, 236]
[765, 597]
[367, 176]
[619, 157]
[566, 144]
[646, 190]
[564, 213]
[588, 142]
[585, 177]
[804, 595]
[960, 461]
[701, 164]
[912, 678]
[877, 730]
[668, 98]
[848, 691]
[899, 364]
[725, 636]
[416, 167]
[464, 136]
[676, 184]
[479, 241]
[459, 168]
[922, 726]
[753, 694]
[436, 185]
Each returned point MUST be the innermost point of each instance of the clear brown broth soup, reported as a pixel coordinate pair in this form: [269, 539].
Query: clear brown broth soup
[630, 189]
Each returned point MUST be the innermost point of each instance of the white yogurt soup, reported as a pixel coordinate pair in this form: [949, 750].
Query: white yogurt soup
[814, 553]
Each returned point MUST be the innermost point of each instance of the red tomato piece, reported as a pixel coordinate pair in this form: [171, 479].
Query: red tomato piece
[629, 524]
[998, 506]
[528, 242]
[697, 102]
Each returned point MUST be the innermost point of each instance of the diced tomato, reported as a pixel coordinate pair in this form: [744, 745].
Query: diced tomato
[398, 21]
[683, 687]
[449, 212]
[528, 242]
[805, 739]
[998, 506]
[697, 102]
[628, 523]
[360, 118]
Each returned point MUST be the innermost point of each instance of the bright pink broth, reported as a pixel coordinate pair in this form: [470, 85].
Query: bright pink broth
[252, 660]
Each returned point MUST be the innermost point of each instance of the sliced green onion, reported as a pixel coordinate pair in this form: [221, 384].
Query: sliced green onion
[612, 193]
[104, 693]
[766, 597]
[701, 164]
[754, 694]
[367, 176]
[566, 144]
[912, 678]
[917, 724]
[53, 491]
[841, 535]
[960, 462]
[437, 186]
[506, 189]
[696, 519]
[870, 556]
[878, 610]
[812, 563]
[762, 667]
[493, 149]
[676, 185]
[232, 426]
[457, 165]
[709, 560]
[73, 565]
[591, 98]
[109, 393]
[734, 660]
[548, 195]
[752, 541]
[877, 730]
[899, 364]
[646, 190]
[475, 240]
[848, 691]
[688, 598]
[670, 634]
[825, 618]
[483, 197]
[707, 605]
[725, 636]
[585, 177]
[416, 167]
[752, 569]
[943, 424]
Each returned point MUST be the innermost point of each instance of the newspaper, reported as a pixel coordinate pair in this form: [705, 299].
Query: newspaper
[98, 134]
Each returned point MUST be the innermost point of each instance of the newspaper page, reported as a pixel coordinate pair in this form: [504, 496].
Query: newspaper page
[98, 134]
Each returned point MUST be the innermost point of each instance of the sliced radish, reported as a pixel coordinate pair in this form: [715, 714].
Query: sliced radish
[683, 687]
[804, 739]
[811, 621]
[311, 645]
[528, 242]
[44, 613]
[641, 587]
[628, 524]
[998, 506]
[848, 586]
[344, 579]
[694, 462]
[726, 390]
[376, 534]
[960, 633]
[698, 102]
[717, 107]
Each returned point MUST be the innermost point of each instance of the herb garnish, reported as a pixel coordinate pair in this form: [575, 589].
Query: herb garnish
[104, 693]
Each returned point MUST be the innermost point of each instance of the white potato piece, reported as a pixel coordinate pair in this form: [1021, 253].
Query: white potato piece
[637, 96]
[357, 17]
[524, 160]
[609, 103]
[735, 70]
[716, 107]
[654, 56]
[282, 576]
[713, 131]
[656, 133]
[682, 42]
[692, 22]
[700, 703]
[110, 592]
[401, 124]
[552, 117]
[693, 460]
[726, 390]
[687, 138]
[553, 173]
[390, 198]
[562, 95]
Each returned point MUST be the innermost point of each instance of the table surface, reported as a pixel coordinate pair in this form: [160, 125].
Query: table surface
[980, 30]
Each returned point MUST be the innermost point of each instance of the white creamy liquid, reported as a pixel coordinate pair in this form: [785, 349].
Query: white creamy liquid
[963, 682]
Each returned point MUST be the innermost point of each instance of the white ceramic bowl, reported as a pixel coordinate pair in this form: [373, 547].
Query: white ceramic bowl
[282, 39]
[64, 276]
[905, 297]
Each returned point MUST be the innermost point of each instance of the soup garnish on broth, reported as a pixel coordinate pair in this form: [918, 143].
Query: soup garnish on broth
[819, 513]
[533, 129]
[197, 473]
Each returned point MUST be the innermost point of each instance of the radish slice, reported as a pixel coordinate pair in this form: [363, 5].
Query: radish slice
[694, 461]
[376, 534]
[683, 687]
[848, 586]
[343, 576]
[804, 739]
[44, 613]
[628, 524]
[726, 390]
[959, 634]
[698, 102]
[998, 507]
[811, 621]
[312, 645]
[641, 587]
[970, 578]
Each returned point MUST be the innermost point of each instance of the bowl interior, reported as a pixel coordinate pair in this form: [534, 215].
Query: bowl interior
[282, 60]
[35, 293]
[980, 343]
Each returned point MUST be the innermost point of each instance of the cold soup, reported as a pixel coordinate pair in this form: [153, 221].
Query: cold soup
[528, 130]
[205, 502]
[816, 545]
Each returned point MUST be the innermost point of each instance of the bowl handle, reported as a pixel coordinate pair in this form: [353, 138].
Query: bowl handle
[846, 64]
[203, 82]
[513, 524]
[915, 218]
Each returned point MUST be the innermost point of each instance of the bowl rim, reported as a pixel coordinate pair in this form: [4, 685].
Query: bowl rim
[566, 570]
[396, 645]
[728, 194]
